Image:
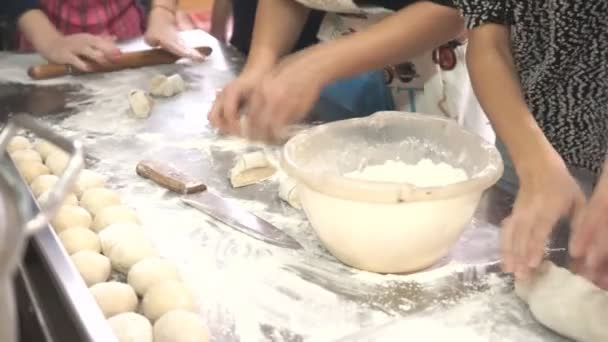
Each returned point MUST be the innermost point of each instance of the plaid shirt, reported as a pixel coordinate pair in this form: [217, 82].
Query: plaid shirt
[123, 19]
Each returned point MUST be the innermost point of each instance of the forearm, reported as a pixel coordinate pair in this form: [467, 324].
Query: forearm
[278, 25]
[38, 29]
[221, 11]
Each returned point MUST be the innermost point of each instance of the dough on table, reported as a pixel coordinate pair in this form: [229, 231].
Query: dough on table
[70, 199]
[31, 169]
[57, 162]
[163, 86]
[21, 155]
[566, 303]
[43, 183]
[45, 148]
[119, 231]
[114, 214]
[114, 298]
[71, 216]
[288, 192]
[96, 199]
[180, 326]
[88, 179]
[18, 143]
[251, 168]
[166, 296]
[131, 327]
[93, 267]
[149, 272]
[129, 250]
[140, 103]
[79, 239]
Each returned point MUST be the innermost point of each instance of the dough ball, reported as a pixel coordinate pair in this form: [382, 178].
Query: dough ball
[114, 214]
[149, 272]
[21, 155]
[88, 179]
[31, 169]
[70, 199]
[45, 148]
[79, 239]
[93, 267]
[95, 199]
[166, 296]
[114, 298]
[131, 327]
[18, 143]
[119, 231]
[161, 85]
[128, 251]
[43, 183]
[71, 216]
[140, 103]
[180, 326]
[57, 161]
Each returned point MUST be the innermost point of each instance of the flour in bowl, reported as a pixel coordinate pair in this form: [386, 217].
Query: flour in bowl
[425, 173]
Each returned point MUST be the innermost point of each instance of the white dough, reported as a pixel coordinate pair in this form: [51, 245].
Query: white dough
[93, 267]
[31, 169]
[45, 148]
[79, 239]
[156, 84]
[140, 103]
[88, 179]
[57, 162]
[70, 199]
[18, 143]
[251, 168]
[95, 199]
[131, 327]
[129, 250]
[180, 326]
[166, 296]
[114, 214]
[71, 216]
[288, 192]
[163, 86]
[21, 155]
[119, 231]
[43, 183]
[114, 298]
[566, 303]
[149, 272]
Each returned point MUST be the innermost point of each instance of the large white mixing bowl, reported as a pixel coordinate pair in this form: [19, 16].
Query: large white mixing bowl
[380, 226]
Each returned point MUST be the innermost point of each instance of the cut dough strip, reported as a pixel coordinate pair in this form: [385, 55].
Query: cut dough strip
[251, 168]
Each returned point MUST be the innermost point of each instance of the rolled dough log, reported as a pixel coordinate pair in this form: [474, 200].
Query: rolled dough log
[166, 296]
[18, 143]
[70, 199]
[251, 168]
[93, 267]
[96, 199]
[114, 298]
[118, 231]
[45, 148]
[128, 251]
[57, 161]
[131, 327]
[71, 216]
[114, 214]
[79, 239]
[140, 103]
[566, 303]
[180, 326]
[288, 192]
[22, 155]
[149, 272]
[43, 183]
[88, 179]
[31, 169]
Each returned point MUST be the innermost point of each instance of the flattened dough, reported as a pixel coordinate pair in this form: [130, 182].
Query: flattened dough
[251, 168]
[140, 103]
[566, 303]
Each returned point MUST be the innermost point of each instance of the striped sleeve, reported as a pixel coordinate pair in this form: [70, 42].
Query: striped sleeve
[479, 12]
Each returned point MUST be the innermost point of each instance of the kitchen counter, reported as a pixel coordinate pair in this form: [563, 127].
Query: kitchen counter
[249, 290]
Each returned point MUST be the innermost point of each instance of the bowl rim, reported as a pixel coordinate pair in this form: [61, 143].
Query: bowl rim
[390, 192]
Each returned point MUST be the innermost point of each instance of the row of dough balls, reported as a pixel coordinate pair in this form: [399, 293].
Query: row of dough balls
[93, 221]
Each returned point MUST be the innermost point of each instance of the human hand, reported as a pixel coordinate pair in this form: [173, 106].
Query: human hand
[163, 32]
[78, 49]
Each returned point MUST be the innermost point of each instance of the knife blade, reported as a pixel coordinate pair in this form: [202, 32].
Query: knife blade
[197, 196]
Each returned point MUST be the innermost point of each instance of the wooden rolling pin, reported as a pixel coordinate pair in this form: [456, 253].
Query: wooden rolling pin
[124, 61]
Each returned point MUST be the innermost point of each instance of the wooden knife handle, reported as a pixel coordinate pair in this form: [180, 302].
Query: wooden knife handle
[124, 61]
[169, 177]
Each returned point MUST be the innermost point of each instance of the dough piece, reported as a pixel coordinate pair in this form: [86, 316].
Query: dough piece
[96, 199]
[180, 326]
[43, 183]
[128, 251]
[163, 86]
[166, 296]
[149, 272]
[71, 216]
[114, 298]
[288, 192]
[157, 85]
[79, 239]
[89, 179]
[251, 168]
[119, 231]
[57, 161]
[131, 327]
[31, 169]
[70, 199]
[93, 267]
[140, 103]
[22, 155]
[45, 148]
[177, 84]
[18, 143]
[114, 214]
[566, 303]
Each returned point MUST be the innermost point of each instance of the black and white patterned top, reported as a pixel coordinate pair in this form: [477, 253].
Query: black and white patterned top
[560, 48]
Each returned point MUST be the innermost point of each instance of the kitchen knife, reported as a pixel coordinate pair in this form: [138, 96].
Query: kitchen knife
[124, 61]
[197, 196]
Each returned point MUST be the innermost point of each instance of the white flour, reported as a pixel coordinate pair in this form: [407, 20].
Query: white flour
[425, 173]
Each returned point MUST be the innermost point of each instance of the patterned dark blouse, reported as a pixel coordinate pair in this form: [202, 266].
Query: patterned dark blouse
[560, 48]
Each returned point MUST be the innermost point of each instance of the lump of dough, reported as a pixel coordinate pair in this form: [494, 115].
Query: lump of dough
[128, 251]
[57, 161]
[566, 303]
[88, 179]
[288, 192]
[21, 155]
[131, 327]
[156, 84]
[43, 183]
[114, 214]
[79, 239]
[251, 168]
[45, 148]
[166, 296]
[18, 143]
[71, 216]
[70, 199]
[149, 272]
[114, 298]
[95, 199]
[93, 267]
[140, 103]
[31, 169]
[180, 326]
[163, 86]
[119, 231]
